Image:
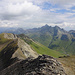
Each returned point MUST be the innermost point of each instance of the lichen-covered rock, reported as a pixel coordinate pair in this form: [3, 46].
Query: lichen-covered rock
[43, 65]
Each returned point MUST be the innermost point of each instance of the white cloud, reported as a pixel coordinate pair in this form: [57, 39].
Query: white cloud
[6, 23]
[19, 9]
[29, 13]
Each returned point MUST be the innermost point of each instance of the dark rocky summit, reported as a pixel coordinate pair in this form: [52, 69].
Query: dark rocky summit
[43, 65]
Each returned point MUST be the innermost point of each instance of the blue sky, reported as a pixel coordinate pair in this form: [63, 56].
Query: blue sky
[36, 13]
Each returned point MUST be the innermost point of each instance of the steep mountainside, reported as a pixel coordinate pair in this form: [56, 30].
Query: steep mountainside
[11, 48]
[72, 32]
[23, 47]
[39, 48]
[18, 57]
[54, 37]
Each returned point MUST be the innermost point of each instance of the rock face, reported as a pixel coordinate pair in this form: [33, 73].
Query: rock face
[24, 50]
[10, 36]
[16, 48]
[43, 65]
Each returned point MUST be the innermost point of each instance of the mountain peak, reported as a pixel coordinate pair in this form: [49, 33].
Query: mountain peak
[47, 25]
[57, 27]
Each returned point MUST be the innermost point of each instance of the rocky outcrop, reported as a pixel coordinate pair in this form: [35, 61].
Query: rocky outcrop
[43, 65]
[24, 50]
[16, 48]
[10, 36]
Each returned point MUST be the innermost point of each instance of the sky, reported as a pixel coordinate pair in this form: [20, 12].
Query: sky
[37, 13]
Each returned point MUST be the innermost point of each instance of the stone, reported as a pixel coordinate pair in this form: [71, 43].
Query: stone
[42, 65]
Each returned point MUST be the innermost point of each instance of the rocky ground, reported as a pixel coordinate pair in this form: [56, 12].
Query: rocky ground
[43, 65]
[68, 64]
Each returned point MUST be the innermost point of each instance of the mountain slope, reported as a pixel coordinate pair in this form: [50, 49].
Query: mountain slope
[13, 49]
[54, 38]
[39, 48]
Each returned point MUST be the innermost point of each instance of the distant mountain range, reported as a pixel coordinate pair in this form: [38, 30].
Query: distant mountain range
[4, 29]
[52, 37]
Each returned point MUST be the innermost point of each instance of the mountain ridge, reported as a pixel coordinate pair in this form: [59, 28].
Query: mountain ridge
[54, 38]
[17, 57]
[13, 48]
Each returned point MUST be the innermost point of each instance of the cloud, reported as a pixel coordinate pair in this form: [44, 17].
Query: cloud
[18, 9]
[6, 23]
[32, 13]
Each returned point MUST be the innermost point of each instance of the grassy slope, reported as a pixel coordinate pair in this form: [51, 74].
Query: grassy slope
[67, 47]
[54, 42]
[44, 39]
[41, 49]
[68, 64]
[3, 41]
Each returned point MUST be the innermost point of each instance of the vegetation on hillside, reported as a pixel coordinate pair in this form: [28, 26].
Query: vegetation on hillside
[2, 39]
[39, 48]
[54, 38]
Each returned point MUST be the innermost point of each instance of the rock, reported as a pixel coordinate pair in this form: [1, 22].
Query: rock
[43, 65]
[15, 48]
[24, 50]
[10, 36]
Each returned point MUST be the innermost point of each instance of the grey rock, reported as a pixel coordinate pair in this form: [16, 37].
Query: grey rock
[43, 65]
